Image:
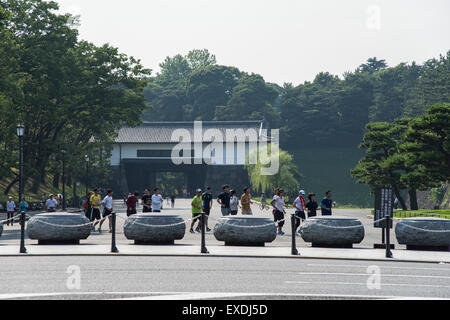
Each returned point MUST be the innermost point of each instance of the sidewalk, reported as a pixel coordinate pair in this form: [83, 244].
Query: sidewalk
[223, 251]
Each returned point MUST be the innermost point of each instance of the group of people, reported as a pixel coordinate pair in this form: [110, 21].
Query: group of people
[302, 207]
[11, 208]
[92, 206]
[150, 202]
[202, 202]
[228, 201]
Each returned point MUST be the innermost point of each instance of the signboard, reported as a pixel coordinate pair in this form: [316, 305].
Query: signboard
[384, 205]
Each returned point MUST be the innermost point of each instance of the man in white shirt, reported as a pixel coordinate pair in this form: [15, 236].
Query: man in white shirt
[278, 210]
[51, 204]
[300, 208]
[10, 209]
[157, 200]
[107, 203]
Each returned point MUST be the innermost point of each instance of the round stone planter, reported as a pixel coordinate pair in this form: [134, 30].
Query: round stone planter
[329, 232]
[58, 228]
[234, 231]
[154, 229]
[417, 239]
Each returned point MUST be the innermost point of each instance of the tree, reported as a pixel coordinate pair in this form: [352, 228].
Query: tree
[427, 147]
[373, 65]
[287, 177]
[199, 59]
[376, 168]
[74, 91]
[252, 99]
[210, 87]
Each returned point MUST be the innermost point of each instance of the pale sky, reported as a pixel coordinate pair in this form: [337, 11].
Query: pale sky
[282, 40]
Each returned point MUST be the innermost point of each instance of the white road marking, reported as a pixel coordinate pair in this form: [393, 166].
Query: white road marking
[383, 267]
[365, 284]
[203, 295]
[365, 275]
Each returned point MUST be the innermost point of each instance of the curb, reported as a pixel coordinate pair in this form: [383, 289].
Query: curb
[220, 256]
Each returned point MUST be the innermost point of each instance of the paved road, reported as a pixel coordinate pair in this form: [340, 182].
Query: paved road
[215, 278]
[11, 236]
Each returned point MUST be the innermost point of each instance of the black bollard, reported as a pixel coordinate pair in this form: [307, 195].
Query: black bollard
[113, 235]
[388, 237]
[204, 250]
[22, 233]
[294, 250]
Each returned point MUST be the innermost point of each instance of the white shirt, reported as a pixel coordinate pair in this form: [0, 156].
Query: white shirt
[234, 202]
[108, 202]
[51, 203]
[298, 204]
[10, 206]
[156, 202]
[278, 203]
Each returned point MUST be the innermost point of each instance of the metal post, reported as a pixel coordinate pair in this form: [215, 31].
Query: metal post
[64, 205]
[383, 235]
[113, 236]
[22, 214]
[204, 249]
[388, 237]
[87, 177]
[294, 250]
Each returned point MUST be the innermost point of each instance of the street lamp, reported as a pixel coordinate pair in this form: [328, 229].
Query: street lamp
[20, 134]
[64, 204]
[86, 157]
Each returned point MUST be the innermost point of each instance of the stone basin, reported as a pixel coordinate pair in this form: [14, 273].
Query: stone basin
[332, 232]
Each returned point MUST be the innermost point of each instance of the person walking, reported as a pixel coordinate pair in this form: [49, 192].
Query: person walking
[146, 201]
[23, 206]
[263, 200]
[51, 204]
[107, 203]
[326, 204]
[224, 201]
[278, 210]
[312, 205]
[87, 206]
[132, 203]
[300, 208]
[10, 210]
[234, 203]
[207, 202]
[172, 200]
[246, 201]
[157, 201]
[95, 202]
[196, 205]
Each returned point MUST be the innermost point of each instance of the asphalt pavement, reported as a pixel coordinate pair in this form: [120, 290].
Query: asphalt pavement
[197, 278]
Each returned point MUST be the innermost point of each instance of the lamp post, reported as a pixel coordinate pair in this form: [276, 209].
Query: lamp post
[20, 134]
[64, 204]
[86, 157]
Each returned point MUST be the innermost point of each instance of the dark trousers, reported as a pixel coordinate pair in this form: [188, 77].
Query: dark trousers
[278, 215]
[299, 218]
[9, 216]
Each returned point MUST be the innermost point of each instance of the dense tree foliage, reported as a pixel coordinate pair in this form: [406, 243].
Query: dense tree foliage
[63, 90]
[411, 154]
